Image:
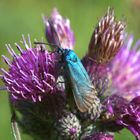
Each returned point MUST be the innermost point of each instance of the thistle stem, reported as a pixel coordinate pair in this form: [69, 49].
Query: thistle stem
[14, 124]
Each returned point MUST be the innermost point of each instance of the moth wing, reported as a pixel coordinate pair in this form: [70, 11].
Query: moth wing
[83, 90]
[84, 97]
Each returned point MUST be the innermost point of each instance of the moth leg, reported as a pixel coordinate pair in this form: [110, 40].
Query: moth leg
[91, 59]
[59, 84]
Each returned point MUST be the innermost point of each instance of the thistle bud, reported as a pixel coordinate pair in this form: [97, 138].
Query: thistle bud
[69, 127]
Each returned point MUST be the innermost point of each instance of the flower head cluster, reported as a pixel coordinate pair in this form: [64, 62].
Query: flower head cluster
[39, 90]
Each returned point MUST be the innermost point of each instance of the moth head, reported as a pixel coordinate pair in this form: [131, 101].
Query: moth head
[70, 56]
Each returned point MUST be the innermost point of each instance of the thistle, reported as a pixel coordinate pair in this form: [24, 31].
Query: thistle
[31, 75]
[41, 94]
[125, 114]
[124, 70]
[63, 35]
[69, 127]
[32, 85]
[106, 41]
[107, 38]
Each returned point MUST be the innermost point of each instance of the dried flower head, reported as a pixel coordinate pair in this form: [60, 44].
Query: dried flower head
[31, 74]
[106, 39]
[59, 32]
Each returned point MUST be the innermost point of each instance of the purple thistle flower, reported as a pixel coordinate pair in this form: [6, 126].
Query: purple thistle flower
[130, 117]
[126, 114]
[99, 136]
[63, 35]
[125, 75]
[125, 70]
[31, 74]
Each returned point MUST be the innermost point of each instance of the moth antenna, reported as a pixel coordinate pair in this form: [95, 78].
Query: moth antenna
[49, 44]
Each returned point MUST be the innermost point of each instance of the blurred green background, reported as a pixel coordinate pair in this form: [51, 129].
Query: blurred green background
[24, 16]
